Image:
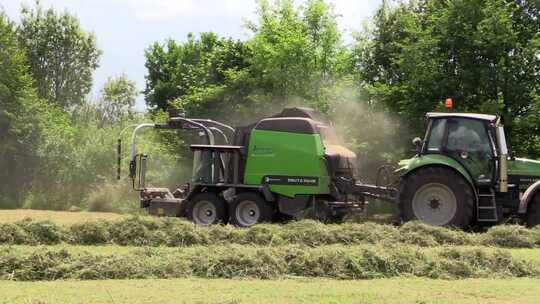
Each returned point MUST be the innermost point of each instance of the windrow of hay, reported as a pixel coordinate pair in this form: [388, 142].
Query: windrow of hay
[146, 231]
[263, 262]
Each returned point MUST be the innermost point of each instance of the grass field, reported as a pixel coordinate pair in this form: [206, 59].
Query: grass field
[284, 289]
[296, 290]
[59, 217]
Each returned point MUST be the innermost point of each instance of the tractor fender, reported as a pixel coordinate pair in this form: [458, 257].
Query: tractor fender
[406, 167]
[416, 163]
[528, 196]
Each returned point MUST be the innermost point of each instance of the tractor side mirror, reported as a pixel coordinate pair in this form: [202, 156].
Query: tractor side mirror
[417, 142]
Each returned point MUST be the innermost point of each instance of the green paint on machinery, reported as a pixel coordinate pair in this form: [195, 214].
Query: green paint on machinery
[290, 163]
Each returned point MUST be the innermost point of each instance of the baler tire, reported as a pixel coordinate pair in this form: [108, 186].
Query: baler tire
[212, 204]
[444, 182]
[533, 212]
[261, 211]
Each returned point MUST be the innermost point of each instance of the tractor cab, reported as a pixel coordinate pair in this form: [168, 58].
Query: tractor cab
[473, 140]
[462, 174]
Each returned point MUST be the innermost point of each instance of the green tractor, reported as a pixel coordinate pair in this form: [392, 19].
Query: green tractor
[463, 174]
[289, 165]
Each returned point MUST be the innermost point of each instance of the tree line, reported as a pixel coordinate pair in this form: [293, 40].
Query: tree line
[57, 146]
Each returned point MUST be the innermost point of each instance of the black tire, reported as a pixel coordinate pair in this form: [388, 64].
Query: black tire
[249, 209]
[207, 209]
[441, 197]
[533, 212]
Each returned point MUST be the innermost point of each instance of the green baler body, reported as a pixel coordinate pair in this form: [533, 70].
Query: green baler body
[290, 163]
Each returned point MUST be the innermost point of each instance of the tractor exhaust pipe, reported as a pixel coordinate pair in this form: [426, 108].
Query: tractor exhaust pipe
[503, 157]
[503, 183]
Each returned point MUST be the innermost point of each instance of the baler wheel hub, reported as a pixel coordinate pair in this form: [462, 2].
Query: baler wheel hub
[248, 213]
[434, 203]
[204, 213]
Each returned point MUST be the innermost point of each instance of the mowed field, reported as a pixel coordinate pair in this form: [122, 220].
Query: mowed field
[293, 290]
[58, 257]
[58, 217]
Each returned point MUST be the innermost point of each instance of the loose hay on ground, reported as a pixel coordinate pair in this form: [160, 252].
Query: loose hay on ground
[146, 231]
[263, 262]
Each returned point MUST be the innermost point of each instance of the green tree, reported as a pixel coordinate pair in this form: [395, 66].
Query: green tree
[19, 112]
[297, 53]
[294, 56]
[61, 55]
[117, 99]
[192, 70]
[482, 53]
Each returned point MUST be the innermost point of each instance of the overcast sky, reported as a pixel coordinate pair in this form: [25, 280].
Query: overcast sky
[124, 28]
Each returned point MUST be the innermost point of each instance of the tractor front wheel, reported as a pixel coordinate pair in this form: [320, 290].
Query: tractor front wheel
[437, 196]
[533, 212]
[207, 209]
[248, 209]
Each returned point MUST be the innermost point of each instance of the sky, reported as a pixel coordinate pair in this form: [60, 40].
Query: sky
[125, 28]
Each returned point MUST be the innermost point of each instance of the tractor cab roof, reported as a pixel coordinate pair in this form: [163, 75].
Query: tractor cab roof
[485, 117]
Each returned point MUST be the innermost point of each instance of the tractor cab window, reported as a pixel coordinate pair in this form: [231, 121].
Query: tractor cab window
[436, 136]
[468, 135]
[468, 142]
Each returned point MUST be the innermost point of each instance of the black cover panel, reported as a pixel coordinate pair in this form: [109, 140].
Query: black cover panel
[303, 112]
[291, 206]
[340, 161]
[288, 124]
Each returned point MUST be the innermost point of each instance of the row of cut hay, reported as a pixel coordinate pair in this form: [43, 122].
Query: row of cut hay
[242, 261]
[146, 231]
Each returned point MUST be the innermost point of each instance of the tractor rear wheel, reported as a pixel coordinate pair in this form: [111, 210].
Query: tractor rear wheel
[248, 209]
[533, 212]
[437, 196]
[207, 209]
